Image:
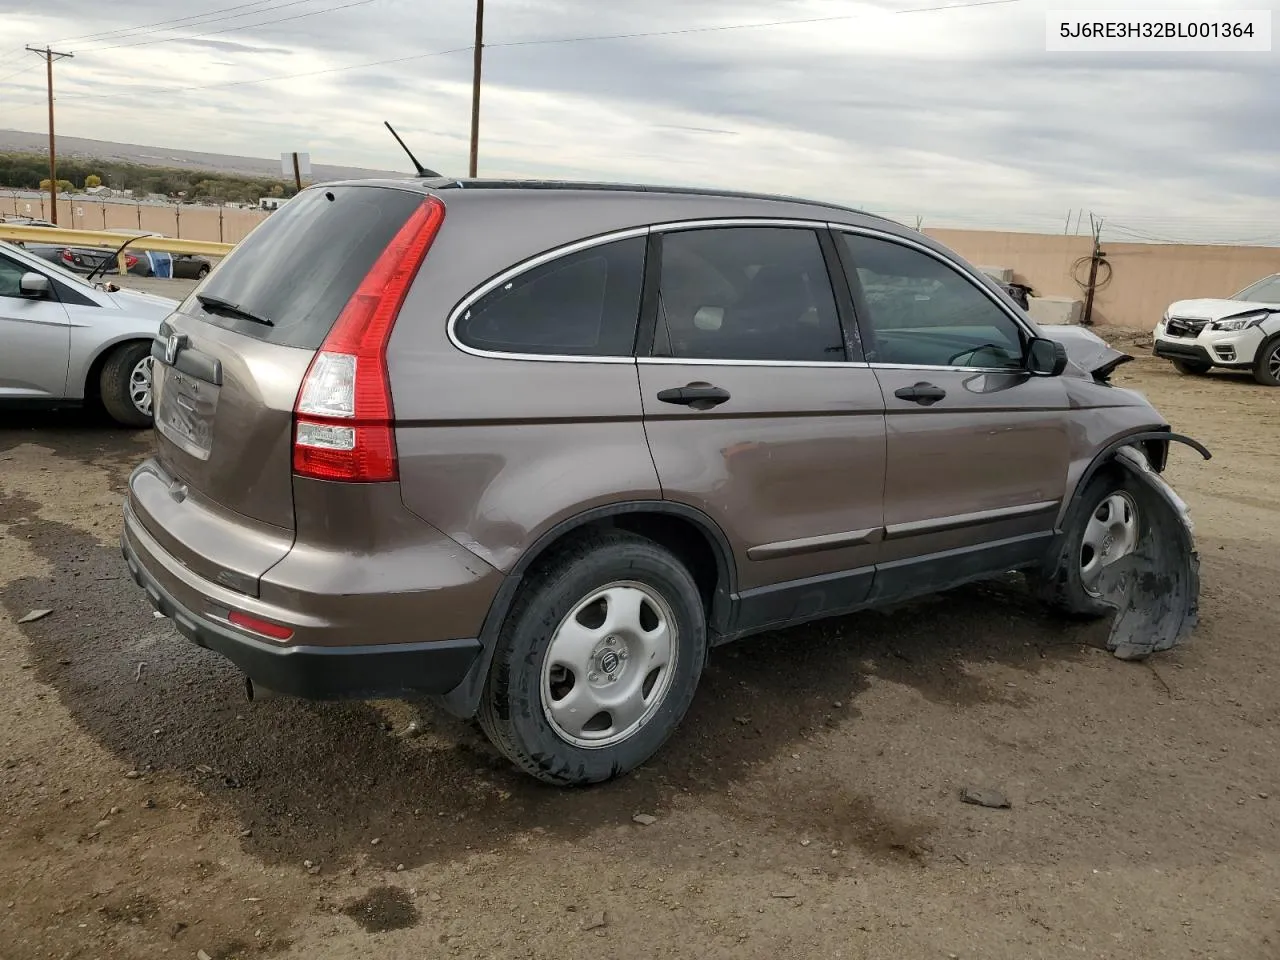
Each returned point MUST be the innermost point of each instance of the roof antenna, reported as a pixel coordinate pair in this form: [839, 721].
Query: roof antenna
[422, 171]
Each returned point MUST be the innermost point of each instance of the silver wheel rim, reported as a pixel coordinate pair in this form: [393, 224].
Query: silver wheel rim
[140, 385]
[609, 665]
[1273, 363]
[1110, 534]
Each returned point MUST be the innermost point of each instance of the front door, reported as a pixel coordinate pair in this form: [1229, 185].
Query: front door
[977, 448]
[760, 413]
[35, 339]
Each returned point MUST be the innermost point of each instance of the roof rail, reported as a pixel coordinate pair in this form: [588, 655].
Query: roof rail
[451, 183]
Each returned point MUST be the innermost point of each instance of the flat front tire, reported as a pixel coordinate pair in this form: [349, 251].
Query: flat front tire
[597, 661]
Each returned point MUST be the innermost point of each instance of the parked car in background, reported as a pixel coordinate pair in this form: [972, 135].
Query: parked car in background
[95, 260]
[1241, 332]
[189, 266]
[629, 424]
[66, 342]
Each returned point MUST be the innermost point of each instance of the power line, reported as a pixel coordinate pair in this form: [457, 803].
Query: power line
[23, 69]
[241, 26]
[174, 21]
[517, 43]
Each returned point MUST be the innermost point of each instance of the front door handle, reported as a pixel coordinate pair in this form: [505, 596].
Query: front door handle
[922, 393]
[700, 396]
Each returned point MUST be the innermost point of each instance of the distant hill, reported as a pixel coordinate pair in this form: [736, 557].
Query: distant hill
[79, 147]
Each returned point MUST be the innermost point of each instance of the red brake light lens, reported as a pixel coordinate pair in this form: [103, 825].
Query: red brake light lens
[66, 255]
[130, 260]
[343, 420]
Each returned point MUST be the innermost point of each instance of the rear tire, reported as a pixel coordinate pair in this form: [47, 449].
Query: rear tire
[123, 394]
[1191, 367]
[579, 691]
[1266, 368]
[1105, 528]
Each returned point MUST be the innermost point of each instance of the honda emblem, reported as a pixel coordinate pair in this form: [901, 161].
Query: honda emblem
[171, 348]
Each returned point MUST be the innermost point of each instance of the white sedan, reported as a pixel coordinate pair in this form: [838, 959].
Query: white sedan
[1240, 333]
[65, 342]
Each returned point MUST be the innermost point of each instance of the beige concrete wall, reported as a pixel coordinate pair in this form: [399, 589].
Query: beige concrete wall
[186, 221]
[1145, 277]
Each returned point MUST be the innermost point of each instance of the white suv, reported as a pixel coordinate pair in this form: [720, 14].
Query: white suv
[1241, 333]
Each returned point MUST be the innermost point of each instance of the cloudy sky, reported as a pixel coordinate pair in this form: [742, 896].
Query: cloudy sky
[959, 116]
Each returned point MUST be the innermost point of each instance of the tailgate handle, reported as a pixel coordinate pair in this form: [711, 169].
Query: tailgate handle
[175, 351]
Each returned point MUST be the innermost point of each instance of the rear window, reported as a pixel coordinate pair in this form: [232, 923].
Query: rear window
[301, 266]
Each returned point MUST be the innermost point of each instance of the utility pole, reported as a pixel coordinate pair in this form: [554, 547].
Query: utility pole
[478, 53]
[49, 57]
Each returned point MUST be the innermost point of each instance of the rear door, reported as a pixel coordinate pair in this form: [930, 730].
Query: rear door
[35, 338]
[760, 413]
[225, 385]
[977, 448]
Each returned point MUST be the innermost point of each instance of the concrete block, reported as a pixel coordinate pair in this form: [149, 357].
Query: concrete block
[1055, 310]
[999, 274]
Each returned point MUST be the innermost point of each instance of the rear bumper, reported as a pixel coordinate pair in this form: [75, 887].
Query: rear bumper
[313, 672]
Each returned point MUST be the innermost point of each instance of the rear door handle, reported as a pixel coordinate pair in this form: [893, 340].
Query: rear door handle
[700, 396]
[922, 393]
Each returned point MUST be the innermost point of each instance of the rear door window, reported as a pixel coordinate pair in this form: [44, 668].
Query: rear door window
[301, 265]
[747, 293]
[583, 304]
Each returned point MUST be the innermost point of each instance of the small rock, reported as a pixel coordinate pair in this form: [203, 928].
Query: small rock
[414, 729]
[307, 864]
[114, 810]
[1263, 796]
[837, 704]
[784, 895]
[645, 819]
[35, 615]
[64, 661]
[314, 870]
[176, 929]
[132, 775]
[805, 843]
[204, 768]
[157, 614]
[149, 803]
[434, 897]
[399, 866]
[597, 921]
[102, 825]
[983, 797]
[375, 841]
[201, 955]
[246, 833]
[742, 720]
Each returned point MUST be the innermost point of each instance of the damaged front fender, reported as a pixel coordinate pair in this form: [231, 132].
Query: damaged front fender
[1156, 588]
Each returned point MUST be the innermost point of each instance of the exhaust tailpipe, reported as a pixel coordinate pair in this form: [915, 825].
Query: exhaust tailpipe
[258, 692]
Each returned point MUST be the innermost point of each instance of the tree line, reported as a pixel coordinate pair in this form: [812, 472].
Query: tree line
[30, 171]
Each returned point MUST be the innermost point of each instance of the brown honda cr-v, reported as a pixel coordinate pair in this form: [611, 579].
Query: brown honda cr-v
[535, 448]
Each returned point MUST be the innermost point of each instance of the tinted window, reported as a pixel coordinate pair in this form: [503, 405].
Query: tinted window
[922, 311]
[301, 265]
[584, 304]
[746, 293]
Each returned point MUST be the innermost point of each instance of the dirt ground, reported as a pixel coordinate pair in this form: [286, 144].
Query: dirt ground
[808, 807]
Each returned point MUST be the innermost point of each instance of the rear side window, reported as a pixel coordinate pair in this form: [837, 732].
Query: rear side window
[302, 264]
[747, 293]
[583, 304]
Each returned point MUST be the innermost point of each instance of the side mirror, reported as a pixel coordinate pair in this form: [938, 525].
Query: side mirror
[1046, 358]
[34, 286]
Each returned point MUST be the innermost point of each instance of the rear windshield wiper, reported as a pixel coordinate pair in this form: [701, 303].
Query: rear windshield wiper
[218, 305]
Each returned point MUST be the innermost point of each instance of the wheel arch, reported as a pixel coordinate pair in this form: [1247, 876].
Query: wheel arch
[686, 531]
[90, 386]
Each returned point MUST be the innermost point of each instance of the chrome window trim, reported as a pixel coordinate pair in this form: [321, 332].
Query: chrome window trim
[958, 268]
[586, 244]
[943, 368]
[696, 362]
[524, 266]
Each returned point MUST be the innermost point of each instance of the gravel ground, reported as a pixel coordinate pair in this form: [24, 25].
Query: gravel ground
[808, 807]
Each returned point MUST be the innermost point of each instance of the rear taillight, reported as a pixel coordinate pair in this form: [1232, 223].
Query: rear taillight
[130, 261]
[343, 421]
[66, 255]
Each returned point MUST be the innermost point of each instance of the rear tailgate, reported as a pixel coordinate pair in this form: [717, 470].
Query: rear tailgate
[219, 495]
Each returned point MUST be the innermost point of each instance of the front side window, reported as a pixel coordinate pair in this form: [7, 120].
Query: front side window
[923, 312]
[583, 304]
[747, 293]
[11, 278]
